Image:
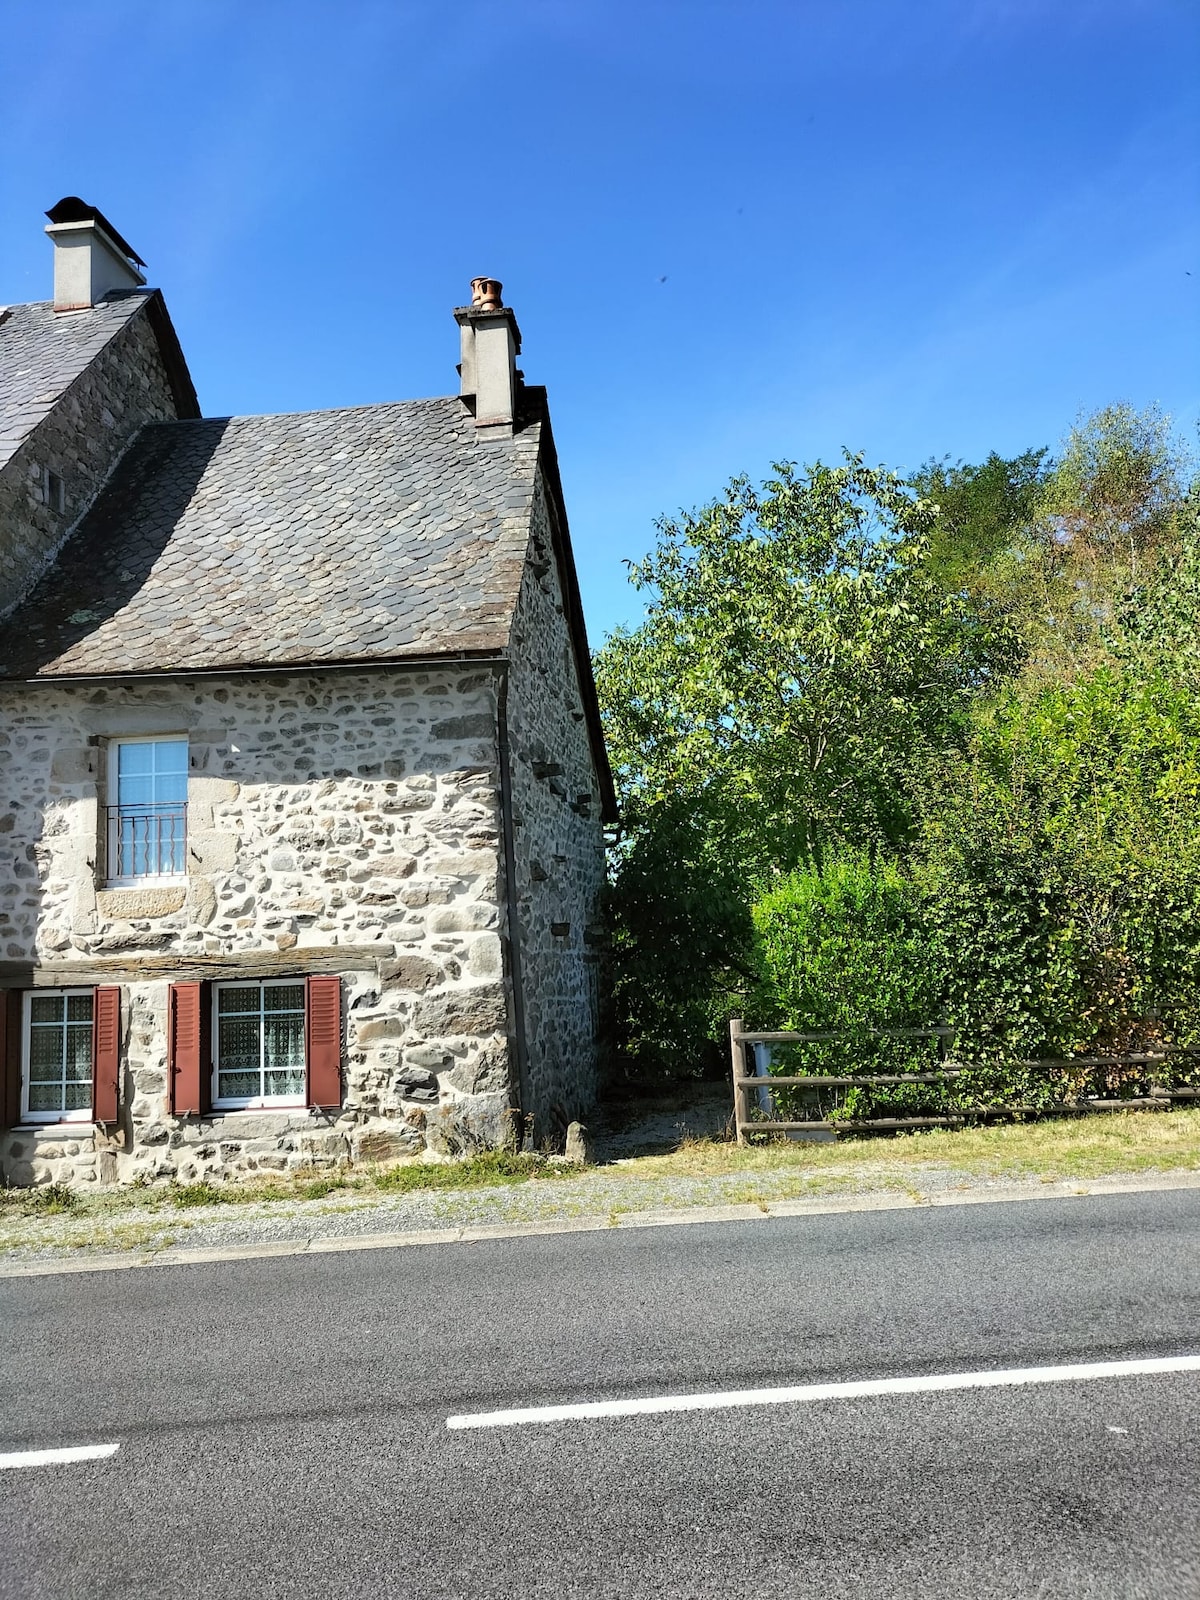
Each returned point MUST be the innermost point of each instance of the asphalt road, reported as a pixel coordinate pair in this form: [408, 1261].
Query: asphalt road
[282, 1423]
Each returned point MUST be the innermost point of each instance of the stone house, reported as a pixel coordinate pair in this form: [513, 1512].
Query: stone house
[302, 781]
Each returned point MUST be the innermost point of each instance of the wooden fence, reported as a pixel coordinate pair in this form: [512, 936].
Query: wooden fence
[1160, 1097]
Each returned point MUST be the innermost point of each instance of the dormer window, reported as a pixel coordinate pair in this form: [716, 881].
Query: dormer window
[147, 823]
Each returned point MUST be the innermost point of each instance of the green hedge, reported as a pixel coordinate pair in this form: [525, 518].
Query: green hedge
[1051, 910]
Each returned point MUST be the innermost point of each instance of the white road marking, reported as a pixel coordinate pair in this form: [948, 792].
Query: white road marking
[54, 1458]
[823, 1391]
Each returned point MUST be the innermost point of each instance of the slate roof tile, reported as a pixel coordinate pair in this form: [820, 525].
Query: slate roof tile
[375, 532]
[42, 353]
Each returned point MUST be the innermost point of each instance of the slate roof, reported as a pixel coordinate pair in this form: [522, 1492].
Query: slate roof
[41, 355]
[377, 532]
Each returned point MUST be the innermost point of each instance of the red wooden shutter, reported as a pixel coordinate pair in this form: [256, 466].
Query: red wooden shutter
[106, 1053]
[10, 1057]
[188, 1049]
[323, 1041]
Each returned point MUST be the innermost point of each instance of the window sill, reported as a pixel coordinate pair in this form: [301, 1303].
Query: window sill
[174, 880]
[58, 1130]
[157, 897]
[256, 1107]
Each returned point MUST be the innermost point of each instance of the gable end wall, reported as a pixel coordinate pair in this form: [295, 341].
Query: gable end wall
[558, 845]
[82, 438]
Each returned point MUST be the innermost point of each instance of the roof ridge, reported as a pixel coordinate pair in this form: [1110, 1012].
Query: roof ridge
[316, 411]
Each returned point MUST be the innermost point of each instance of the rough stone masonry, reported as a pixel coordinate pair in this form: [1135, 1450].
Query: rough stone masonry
[344, 823]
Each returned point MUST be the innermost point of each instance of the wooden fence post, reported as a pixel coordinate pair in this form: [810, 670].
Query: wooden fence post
[737, 1055]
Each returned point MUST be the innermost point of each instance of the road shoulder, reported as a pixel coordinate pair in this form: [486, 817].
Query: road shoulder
[316, 1236]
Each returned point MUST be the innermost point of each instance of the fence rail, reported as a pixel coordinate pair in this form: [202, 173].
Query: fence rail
[765, 1084]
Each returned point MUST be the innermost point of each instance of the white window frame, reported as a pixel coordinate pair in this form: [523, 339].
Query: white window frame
[262, 1102]
[149, 880]
[52, 1118]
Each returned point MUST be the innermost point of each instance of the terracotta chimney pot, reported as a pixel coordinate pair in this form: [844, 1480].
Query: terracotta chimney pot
[485, 294]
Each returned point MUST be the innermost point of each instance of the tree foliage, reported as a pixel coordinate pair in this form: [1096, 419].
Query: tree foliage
[795, 654]
[984, 535]
[897, 752]
[1114, 493]
[797, 666]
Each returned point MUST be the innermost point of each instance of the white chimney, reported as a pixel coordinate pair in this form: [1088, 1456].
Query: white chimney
[491, 343]
[90, 257]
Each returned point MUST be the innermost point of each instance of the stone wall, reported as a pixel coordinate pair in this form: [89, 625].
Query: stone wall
[81, 440]
[342, 823]
[559, 845]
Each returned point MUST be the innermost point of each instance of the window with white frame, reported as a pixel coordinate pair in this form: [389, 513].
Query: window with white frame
[258, 1048]
[147, 812]
[56, 1076]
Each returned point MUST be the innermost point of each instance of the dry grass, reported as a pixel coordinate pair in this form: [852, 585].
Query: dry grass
[1068, 1147]
[102, 1233]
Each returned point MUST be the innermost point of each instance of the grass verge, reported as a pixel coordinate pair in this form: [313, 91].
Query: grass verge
[490, 1168]
[1093, 1146]
[700, 1172]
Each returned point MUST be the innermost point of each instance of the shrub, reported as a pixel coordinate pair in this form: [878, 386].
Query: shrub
[1061, 874]
[1051, 909]
[844, 949]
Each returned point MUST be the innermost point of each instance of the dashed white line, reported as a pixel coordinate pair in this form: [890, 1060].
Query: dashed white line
[799, 1393]
[54, 1458]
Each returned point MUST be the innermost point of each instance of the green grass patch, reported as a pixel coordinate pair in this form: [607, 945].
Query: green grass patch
[48, 1200]
[185, 1196]
[485, 1170]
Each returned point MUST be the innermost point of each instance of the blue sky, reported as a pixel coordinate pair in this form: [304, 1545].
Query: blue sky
[734, 232]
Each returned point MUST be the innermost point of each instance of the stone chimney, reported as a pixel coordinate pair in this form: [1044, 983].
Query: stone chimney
[491, 343]
[90, 257]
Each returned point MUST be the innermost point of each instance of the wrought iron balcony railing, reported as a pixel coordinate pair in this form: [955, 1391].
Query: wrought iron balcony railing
[147, 841]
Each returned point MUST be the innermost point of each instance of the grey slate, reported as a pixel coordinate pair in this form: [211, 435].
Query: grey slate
[42, 353]
[376, 532]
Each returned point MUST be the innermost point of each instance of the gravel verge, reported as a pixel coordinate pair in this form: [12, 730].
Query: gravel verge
[597, 1193]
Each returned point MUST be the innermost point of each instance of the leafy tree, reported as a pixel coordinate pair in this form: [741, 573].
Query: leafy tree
[1115, 490]
[796, 667]
[983, 534]
[1059, 545]
[681, 936]
[1110, 519]
[931, 743]
[1156, 622]
[797, 656]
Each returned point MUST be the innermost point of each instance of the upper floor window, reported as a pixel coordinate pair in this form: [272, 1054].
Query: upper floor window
[147, 813]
